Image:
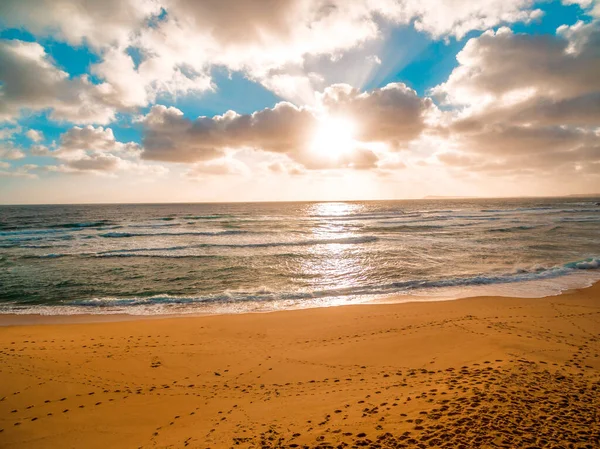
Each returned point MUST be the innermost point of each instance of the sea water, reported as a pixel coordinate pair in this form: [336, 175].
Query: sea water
[237, 257]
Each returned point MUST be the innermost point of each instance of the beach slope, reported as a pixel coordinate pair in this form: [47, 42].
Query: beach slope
[479, 372]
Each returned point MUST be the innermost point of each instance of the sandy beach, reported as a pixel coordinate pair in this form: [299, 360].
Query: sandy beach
[478, 372]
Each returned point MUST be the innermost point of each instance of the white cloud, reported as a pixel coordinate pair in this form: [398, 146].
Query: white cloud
[96, 139]
[131, 87]
[527, 104]
[39, 150]
[458, 17]
[514, 100]
[268, 40]
[30, 81]
[95, 150]
[8, 151]
[97, 23]
[35, 135]
[592, 7]
[496, 65]
[95, 162]
[7, 132]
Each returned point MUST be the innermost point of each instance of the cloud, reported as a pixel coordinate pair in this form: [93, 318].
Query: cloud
[169, 136]
[128, 86]
[591, 7]
[500, 66]
[267, 40]
[105, 165]
[285, 168]
[524, 103]
[179, 46]
[271, 40]
[391, 165]
[92, 149]
[180, 41]
[96, 139]
[534, 150]
[30, 81]
[35, 135]
[23, 171]
[39, 150]
[513, 101]
[95, 162]
[99, 24]
[298, 24]
[393, 114]
[8, 151]
[223, 166]
[458, 17]
[8, 132]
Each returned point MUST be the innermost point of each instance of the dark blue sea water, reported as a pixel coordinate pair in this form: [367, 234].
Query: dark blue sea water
[180, 258]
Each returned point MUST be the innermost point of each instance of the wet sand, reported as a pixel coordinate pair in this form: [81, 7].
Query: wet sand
[478, 372]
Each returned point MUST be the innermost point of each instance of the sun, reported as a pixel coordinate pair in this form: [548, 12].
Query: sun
[334, 137]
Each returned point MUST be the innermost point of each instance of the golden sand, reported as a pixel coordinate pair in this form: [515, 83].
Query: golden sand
[480, 372]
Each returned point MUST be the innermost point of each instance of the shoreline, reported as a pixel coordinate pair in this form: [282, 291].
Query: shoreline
[30, 319]
[475, 372]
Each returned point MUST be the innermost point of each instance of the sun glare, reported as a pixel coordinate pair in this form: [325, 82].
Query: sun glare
[334, 137]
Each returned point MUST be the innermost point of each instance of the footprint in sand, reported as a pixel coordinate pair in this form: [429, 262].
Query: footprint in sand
[155, 362]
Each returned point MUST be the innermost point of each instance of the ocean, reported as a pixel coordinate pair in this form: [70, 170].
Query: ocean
[238, 257]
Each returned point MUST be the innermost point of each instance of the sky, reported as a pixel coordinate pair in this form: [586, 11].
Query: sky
[284, 100]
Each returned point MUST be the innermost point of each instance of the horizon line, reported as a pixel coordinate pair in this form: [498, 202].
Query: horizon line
[424, 198]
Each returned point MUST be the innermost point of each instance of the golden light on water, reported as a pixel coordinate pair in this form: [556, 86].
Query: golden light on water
[334, 209]
[338, 265]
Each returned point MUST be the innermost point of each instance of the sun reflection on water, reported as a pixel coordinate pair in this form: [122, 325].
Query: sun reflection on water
[334, 209]
[334, 265]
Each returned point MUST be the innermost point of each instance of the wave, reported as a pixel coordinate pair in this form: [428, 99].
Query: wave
[544, 210]
[89, 224]
[520, 275]
[443, 219]
[589, 219]
[360, 217]
[515, 228]
[21, 242]
[155, 225]
[520, 209]
[151, 256]
[43, 246]
[45, 256]
[206, 217]
[18, 232]
[406, 228]
[342, 241]
[162, 234]
[238, 299]
[143, 252]
[591, 263]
